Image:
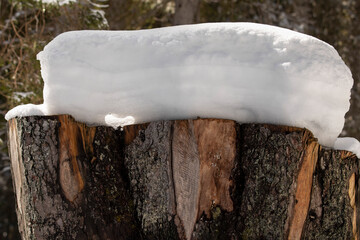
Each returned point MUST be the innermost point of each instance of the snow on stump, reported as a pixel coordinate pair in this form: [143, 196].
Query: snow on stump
[132, 140]
[188, 179]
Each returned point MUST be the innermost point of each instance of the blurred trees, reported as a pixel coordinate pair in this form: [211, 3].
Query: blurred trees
[27, 25]
[186, 11]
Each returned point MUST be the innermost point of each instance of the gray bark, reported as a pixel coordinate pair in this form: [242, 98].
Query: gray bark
[186, 11]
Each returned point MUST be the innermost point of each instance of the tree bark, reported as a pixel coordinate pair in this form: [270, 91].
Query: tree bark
[186, 11]
[188, 179]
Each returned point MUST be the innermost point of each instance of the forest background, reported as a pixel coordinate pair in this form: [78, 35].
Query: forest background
[26, 26]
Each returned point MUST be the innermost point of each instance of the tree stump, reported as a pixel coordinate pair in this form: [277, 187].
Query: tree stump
[188, 179]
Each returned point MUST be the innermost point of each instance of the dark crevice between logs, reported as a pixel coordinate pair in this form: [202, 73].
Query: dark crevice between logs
[238, 174]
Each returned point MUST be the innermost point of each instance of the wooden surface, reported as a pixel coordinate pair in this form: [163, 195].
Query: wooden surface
[300, 209]
[186, 173]
[188, 179]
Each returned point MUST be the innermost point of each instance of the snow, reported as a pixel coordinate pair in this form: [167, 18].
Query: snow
[60, 2]
[241, 71]
[27, 110]
[116, 121]
[18, 96]
[348, 144]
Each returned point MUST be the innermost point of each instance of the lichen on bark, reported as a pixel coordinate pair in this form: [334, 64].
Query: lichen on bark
[330, 213]
[148, 160]
[45, 207]
[105, 206]
[268, 161]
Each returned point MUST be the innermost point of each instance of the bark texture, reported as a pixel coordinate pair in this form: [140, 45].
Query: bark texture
[186, 11]
[189, 179]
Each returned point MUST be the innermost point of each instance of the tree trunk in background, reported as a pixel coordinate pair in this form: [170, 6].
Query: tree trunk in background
[186, 11]
[189, 179]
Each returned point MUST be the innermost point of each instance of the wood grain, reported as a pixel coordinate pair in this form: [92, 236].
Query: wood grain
[303, 189]
[18, 175]
[74, 139]
[352, 196]
[216, 141]
[186, 170]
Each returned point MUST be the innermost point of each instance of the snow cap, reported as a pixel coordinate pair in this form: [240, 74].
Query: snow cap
[241, 71]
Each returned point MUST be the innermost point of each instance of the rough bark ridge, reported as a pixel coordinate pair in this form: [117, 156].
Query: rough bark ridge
[72, 188]
[190, 179]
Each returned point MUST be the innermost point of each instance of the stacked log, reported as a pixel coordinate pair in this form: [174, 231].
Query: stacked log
[186, 179]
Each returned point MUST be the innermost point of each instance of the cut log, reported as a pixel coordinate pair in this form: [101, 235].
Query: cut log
[188, 179]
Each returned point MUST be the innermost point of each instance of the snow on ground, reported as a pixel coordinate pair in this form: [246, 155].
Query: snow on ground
[18, 96]
[242, 71]
[60, 2]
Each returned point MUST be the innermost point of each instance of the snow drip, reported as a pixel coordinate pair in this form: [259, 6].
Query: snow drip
[241, 71]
